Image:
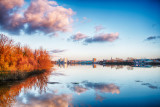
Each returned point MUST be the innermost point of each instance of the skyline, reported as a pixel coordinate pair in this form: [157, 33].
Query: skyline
[85, 29]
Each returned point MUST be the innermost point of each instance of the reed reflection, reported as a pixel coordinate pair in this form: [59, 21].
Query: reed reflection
[10, 90]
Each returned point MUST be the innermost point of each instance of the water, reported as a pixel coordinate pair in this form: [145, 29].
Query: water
[86, 85]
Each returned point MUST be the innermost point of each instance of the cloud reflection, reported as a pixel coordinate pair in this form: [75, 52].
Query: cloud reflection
[79, 89]
[106, 88]
[49, 100]
[99, 98]
[150, 85]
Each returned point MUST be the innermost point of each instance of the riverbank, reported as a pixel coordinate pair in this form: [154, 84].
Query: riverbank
[127, 63]
[18, 75]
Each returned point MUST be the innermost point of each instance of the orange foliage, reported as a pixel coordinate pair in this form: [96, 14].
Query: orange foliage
[9, 91]
[14, 57]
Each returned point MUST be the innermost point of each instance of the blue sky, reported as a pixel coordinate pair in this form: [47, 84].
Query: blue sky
[133, 20]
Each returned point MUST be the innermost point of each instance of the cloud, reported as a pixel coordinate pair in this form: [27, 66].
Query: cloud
[85, 20]
[153, 38]
[9, 17]
[103, 37]
[41, 15]
[78, 36]
[57, 51]
[99, 28]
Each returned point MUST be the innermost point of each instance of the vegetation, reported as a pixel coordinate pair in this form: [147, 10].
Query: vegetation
[17, 58]
[10, 90]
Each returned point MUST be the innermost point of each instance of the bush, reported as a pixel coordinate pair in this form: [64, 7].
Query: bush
[14, 57]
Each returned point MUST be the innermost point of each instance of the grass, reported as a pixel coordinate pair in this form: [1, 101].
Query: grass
[18, 75]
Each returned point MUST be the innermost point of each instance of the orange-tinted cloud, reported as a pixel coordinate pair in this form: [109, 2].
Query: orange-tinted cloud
[41, 15]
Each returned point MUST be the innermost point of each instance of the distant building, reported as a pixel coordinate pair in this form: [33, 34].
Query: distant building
[142, 62]
[65, 60]
[94, 60]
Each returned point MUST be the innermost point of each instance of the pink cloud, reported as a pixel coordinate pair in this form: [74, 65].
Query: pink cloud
[99, 28]
[78, 36]
[10, 4]
[85, 20]
[103, 37]
[41, 15]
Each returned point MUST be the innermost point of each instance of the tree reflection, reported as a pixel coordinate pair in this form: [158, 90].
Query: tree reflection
[9, 90]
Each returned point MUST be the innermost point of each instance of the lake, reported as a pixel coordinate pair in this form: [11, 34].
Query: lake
[85, 85]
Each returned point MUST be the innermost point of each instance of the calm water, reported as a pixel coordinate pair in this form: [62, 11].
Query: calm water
[86, 85]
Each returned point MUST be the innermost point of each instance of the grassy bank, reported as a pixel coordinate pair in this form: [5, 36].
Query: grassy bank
[18, 75]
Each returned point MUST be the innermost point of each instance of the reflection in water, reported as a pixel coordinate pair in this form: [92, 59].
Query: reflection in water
[138, 81]
[99, 97]
[9, 91]
[106, 88]
[97, 87]
[58, 74]
[150, 85]
[147, 84]
[79, 89]
[65, 87]
[47, 100]
[95, 66]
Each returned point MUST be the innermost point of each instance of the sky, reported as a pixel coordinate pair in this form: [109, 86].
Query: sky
[85, 29]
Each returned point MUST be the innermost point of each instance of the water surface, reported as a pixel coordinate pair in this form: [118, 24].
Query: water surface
[86, 85]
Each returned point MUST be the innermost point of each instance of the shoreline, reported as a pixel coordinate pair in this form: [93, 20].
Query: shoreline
[18, 75]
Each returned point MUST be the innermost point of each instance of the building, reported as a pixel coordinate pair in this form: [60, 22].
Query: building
[142, 62]
[65, 60]
[94, 60]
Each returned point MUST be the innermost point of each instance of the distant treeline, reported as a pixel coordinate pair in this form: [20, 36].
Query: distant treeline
[14, 57]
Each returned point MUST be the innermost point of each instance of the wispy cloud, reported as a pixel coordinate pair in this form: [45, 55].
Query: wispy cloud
[85, 20]
[41, 15]
[99, 28]
[152, 38]
[103, 37]
[78, 36]
[57, 51]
